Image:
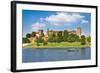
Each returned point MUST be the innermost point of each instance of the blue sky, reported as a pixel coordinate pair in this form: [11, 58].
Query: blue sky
[33, 20]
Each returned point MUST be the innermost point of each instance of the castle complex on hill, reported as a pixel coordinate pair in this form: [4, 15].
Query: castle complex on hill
[50, 32]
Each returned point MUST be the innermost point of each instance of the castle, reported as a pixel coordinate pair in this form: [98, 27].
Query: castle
[77, 31]
[50, 32]
[46, 35]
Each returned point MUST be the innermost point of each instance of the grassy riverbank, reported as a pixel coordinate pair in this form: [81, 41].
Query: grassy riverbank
[58, 45]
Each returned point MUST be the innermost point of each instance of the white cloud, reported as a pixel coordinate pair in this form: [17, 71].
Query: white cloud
[85, 21]
[62, 18]
[37, 26]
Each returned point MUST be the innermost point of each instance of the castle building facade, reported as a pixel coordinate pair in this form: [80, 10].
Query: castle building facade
[77, 32]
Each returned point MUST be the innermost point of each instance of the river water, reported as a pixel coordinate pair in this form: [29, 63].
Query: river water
[57, 54]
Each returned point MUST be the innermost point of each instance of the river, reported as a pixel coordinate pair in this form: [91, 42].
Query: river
[57, 54]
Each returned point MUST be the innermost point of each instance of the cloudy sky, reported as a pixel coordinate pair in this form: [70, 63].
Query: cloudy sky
[33, 20]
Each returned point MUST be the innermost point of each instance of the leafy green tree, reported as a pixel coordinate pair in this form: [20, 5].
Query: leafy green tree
[65, 35]
[25, 40]
[89, 39]
[83, 40]
[38, 44]
[70, 38]
[59, 37]
[52, 37]
[77, 38]
[37, 41]
[73, 38]
[28, 35]
[40, 39]
[33, 34]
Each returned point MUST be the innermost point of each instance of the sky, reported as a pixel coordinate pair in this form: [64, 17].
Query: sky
[34, 20]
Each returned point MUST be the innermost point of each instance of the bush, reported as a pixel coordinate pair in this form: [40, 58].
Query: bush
[89, 39]
[83, 40]
[59, 37]
[33, 34]
[39, 40]
[28, 35]
[73, 38]
[25, 40]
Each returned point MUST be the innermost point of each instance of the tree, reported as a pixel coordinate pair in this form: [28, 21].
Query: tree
[73, 38]
[65, 35]
[83, 40]
[77, 38]
[25, 40]
[52, 37]
[28, 35]
[45, 40]
[89, 39]
[33, 34]
[37, 41]
[59, 37]
[40, 39]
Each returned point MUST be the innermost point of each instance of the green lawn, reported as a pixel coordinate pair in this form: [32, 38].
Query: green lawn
[57, 45]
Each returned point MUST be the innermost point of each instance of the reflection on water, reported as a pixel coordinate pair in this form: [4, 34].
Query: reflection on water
[61, 54]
